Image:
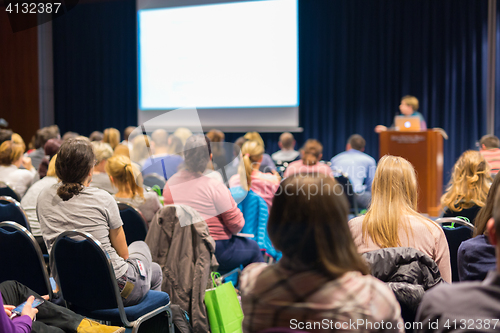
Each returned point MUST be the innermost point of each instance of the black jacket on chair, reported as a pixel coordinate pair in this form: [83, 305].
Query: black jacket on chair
[407, 272]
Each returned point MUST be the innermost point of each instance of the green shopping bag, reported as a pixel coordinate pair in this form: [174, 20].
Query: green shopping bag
[223, 308]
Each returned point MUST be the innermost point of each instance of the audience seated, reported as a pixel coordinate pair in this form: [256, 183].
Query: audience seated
[312, 152]
[42, 136]
[287, 153]
[489, 146]
[100, 178]
[320, 276]
[96, 136]
[125, 177]
[122, 150]
[476, 256]
[359, 167]
[219, 160]
[11, 158]
[72, 205]
[111, 136]
[50, 318]
[467, 306]
[28, 202]
[127, 140]
[267, 164]
[392, 219]
[232, 167]
[70, 135]
[161, 162]
[468, 187]
[214, 203]
[183, 134]
[250, 177]
[50, 148]
[5, 135]
[140, 149]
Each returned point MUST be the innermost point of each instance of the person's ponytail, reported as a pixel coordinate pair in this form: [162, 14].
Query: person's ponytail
[67, 190]
[252, 152]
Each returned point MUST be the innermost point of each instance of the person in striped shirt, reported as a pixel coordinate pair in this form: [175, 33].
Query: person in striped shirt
[490, 149]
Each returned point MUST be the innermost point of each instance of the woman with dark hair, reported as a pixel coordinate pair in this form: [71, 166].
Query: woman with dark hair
[72, 204]
[320, 275]
[476, 256]
[213, 201]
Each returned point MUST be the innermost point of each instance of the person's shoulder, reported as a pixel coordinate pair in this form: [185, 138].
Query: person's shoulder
[98, 193]
[267, 177]
[356, 220]
[447, 293]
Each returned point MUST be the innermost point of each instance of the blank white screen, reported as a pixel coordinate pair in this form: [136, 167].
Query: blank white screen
[241, 54]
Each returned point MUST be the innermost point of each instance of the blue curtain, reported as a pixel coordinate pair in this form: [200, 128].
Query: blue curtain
[357, 59]
[95, 80]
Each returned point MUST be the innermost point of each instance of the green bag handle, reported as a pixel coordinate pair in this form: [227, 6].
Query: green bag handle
[215, 275]
[462, 218]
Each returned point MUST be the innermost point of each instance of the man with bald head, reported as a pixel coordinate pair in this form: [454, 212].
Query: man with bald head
[161, 163]
[287, 153]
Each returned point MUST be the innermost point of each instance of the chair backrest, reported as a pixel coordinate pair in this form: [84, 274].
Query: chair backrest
[84, 272]
[11, 210]
[21, 258]
[348, 190]
[134, 223]
[153, 179]
[6, 191]
[455, 237]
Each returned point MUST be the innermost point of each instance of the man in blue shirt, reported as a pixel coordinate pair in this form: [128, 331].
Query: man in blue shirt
[359, 167]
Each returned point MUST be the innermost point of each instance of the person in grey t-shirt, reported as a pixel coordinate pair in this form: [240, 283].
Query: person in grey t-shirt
[71, 205]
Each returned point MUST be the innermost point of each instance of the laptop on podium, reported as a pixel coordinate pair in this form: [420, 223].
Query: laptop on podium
[407, 123]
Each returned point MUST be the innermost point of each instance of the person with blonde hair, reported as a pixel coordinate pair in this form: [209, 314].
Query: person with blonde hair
[320, 275]
[141, 149]
[392, 219]
[468, 187]
[267, 165]
[111, 136]
[127, 179]
[122, 149]
[11, 158]
[249, 176]
[408, 107]
[28, 203]
[100, 179]
[183, 133]
[311, 152]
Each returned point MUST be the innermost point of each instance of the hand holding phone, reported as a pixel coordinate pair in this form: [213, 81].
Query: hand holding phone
[28, 308]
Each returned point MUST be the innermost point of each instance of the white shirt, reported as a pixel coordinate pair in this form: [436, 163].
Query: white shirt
[17, 179]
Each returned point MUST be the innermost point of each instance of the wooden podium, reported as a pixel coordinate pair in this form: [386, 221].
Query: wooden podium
[425, 151]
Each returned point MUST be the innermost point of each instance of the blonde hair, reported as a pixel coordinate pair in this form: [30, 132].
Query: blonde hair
[183, 133]
[111, 136]
[140, 148]
[411, 101]
[254, 136]
[311, 152]
[10, 152]
[125, 174]
[122, 150]
[102, 151]
[394, 198]
[252, 152]
[16, 138]
[51, 171]
[469, 184]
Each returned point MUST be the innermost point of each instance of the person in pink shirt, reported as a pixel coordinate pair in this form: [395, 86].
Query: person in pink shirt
[312, 152]
[250, 178]
[213, 201]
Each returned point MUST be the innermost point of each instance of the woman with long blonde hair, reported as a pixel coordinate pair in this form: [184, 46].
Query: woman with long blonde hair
[392, 219]
[468, 187]
[267, 164]
[126, 178]
[250, 178]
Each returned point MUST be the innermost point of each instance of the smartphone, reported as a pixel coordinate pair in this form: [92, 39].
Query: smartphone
[18, 310]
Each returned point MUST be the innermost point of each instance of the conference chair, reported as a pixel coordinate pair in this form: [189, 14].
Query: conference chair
[348, 191]
[6, 191]
[153, 179]
[455, 236]
[88, 284]
[134, 223]
[11, 210]
[21, 259]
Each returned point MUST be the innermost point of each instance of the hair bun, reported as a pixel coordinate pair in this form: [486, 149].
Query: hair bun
[68, 190]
